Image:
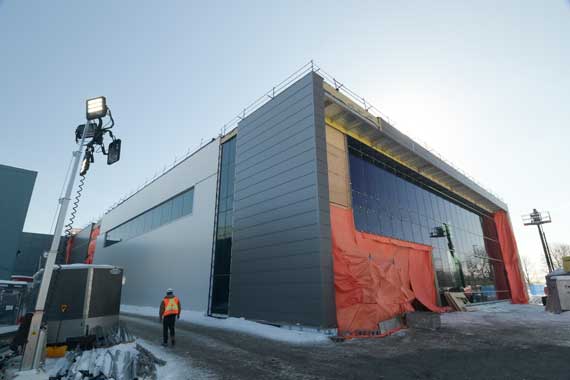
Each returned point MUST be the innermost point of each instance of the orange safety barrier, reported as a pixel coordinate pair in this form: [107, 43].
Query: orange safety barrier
[68, 248]
[376, 278]
[92, 244]
[494, 251]
[510, 257]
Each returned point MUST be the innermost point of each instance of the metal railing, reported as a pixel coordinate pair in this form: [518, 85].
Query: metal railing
[274, 91]
[375, 112]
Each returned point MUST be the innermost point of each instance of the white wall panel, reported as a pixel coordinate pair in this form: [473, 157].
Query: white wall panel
[175, 255]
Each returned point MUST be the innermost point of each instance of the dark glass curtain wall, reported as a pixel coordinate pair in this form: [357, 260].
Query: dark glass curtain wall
[223, 243]
[391, 200]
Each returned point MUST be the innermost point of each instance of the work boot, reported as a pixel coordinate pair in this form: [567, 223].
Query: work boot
[164, 344]
[173, 341]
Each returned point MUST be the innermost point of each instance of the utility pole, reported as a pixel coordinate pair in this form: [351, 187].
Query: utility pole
[34, 347]
[96, 109]
[536, 218]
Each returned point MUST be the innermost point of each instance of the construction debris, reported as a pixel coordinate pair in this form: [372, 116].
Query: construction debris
[113, 336]
[123, 362]
[457, 300]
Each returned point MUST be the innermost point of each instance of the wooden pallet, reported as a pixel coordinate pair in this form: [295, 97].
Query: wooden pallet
[457, 300]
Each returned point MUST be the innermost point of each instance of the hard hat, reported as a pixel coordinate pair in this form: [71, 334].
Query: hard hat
[169, 290]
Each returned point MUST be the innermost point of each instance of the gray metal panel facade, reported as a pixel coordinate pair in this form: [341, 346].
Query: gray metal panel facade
[281, 252]
[16, 186]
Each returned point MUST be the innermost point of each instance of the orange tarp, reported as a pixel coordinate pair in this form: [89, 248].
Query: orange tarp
[92, 244]
[68, 248]
[376, 278]
[510, 257]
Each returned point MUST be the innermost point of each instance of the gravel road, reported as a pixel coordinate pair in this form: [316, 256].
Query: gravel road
[488, 350]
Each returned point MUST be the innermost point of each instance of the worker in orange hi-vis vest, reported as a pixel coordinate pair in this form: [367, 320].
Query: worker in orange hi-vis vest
[169, 312]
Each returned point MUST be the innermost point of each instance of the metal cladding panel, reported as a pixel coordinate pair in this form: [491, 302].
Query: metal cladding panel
[81, 245]
[66, 297]
[16, 186]
[105, 292]
[175, 255]
[281, 258]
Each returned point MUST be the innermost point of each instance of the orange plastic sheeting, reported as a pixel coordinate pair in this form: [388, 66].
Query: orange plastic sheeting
[92, 244]
[376, 278]
[510, 257]
[68, 248]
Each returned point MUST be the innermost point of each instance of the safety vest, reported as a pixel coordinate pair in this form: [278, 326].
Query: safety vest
[171, 306]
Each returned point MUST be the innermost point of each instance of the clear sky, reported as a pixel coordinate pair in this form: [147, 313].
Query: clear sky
[486, 83]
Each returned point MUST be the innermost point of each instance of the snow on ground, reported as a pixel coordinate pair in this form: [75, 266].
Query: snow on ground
[239, 325]
[31, 375]
[535, 300]
[176, 368]
[7, 329]
[489, 314]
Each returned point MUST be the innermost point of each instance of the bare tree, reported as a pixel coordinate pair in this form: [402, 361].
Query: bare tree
[525, 264]
[558, 251]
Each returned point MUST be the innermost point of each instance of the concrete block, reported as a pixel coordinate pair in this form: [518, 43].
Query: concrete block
[423, 320]
[390, 325]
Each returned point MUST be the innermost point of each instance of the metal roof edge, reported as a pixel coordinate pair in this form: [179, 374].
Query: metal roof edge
[387, 129]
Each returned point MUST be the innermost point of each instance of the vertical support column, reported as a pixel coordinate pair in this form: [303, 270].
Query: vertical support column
[87, 301]
[546, 249]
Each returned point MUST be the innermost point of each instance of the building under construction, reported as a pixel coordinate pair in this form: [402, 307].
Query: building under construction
[313, 210]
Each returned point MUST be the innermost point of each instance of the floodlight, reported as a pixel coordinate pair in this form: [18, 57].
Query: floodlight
[89, 131]
[96, 108]
[114, 152]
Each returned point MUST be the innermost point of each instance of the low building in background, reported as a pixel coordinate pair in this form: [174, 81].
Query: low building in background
[16, 187]
[312, 211]
[32, 248]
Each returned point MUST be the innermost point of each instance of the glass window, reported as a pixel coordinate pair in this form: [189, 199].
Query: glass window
[138, 225]
[388, 203]
[127, 228]
[165, 212]
[387, 224]
[149, 220]
[110, 238]
[356, 174]
[417, 233]
[115, 235]
[222, 252]
[177, 204]
[188, 202]
[155, 216]
[397, 228]
[372, 220]
[408, 233]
